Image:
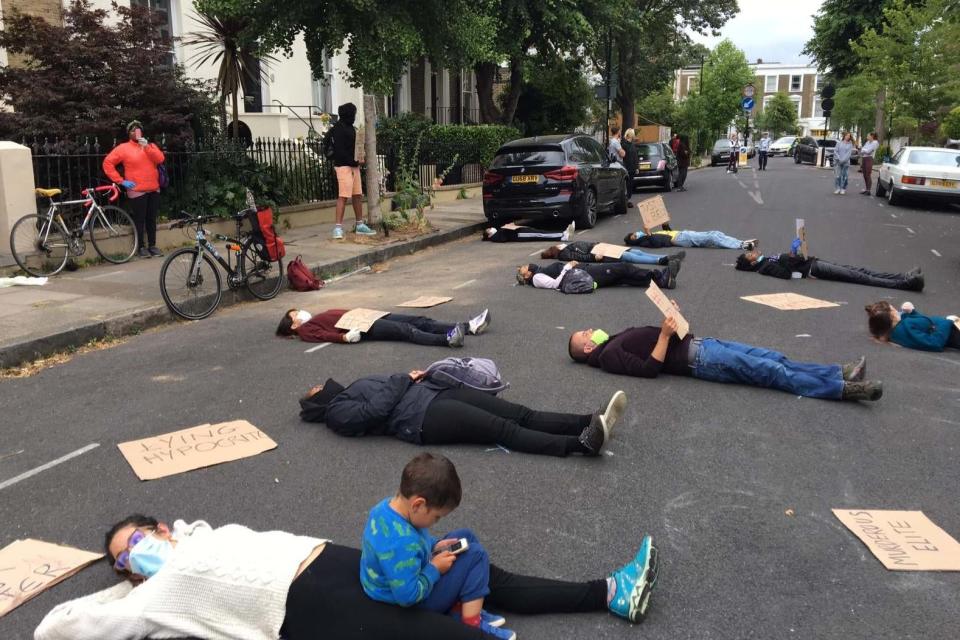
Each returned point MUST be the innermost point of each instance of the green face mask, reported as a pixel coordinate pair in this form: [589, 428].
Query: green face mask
[599, 336]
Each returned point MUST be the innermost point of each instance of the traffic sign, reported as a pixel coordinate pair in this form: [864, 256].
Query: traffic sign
[748, 91]
[747, 104]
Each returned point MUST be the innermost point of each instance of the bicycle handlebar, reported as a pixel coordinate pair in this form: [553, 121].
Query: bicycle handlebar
[112, 188]
[189, 218]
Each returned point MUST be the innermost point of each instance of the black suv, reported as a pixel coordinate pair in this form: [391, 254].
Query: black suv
[559, 177]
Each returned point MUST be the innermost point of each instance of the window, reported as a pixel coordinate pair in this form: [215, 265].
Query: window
[796, 83]
[766, 101]
[817, 106]
[165, 28]
[819, 82]
[692, 83]
[323, 86]
[770, 84]
[466, 92]
[796, 100]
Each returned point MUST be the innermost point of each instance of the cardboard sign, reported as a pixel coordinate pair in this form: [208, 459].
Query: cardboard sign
[604, 250]
[903, 540]
[425, 301]
[653, 212]
[30, 567]
[360, 319]
[802, 234]
[194, 448]
[666, 307]
[789, 301]
[359, 150]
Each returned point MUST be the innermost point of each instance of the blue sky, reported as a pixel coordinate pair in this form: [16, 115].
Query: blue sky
[774, 30]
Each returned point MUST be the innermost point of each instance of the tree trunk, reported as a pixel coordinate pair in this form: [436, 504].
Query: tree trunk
[223, 114]
[627, 112]
[373, 163]
[486, 73]
[879, 120]
[236, 115]
[516, 86]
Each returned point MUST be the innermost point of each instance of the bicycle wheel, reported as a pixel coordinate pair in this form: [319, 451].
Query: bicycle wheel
[113, 234]
[263, 278]
[39, 245]
[190, 290]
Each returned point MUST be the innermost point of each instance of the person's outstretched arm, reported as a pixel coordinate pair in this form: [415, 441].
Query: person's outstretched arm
[112, 613]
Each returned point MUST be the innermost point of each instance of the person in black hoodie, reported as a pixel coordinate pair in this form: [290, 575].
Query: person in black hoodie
[341, 138]
[786, 264]
[419, 409]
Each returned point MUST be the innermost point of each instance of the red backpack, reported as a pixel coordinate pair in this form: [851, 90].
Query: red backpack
[300, 276]
[266, 234]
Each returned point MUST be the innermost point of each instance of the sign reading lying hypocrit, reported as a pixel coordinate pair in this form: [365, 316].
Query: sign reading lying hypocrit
[360, 319]
[604, 250]
[666, 307]
[194, 448]
[30, 567]
[903, 540]
[653, 212]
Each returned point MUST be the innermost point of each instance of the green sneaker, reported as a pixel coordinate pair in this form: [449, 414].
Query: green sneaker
[634, 583]
[363, 230]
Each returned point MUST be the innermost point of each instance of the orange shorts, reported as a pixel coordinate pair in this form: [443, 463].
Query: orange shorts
[348, 182]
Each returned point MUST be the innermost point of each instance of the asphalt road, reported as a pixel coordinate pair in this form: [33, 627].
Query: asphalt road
[709, 470]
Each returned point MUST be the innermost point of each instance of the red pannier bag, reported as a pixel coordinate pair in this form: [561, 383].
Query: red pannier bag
[272, 248]
[300, 276]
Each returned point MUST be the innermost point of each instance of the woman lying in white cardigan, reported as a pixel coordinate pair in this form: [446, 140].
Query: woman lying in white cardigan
[233, 583]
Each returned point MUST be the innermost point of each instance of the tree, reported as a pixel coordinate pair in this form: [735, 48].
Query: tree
[950, 127]
[659, 106]
[91, 75]
[717, 102]
[555, 96]
[779, 116]
[855, 104]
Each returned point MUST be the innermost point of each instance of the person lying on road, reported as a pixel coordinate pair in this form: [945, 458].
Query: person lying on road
[527, 234]
[422, 407]
[609, 274]
[393, 326]
[582, 251]
[910, 328]
[787, 264]
[229, 582]
[646, 352]
[687, 238]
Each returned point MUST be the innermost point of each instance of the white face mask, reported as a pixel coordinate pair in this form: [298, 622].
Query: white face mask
[303, 316]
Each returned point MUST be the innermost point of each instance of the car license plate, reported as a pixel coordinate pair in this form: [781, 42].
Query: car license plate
[644, 165]
[524, 179]
[950, 184]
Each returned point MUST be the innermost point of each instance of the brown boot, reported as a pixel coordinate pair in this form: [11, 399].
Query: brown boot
[862, 390]
[855, 371]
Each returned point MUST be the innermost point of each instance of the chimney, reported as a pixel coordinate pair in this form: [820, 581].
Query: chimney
[759, 60]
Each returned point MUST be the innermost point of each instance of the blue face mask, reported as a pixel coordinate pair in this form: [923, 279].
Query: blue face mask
[149, 555]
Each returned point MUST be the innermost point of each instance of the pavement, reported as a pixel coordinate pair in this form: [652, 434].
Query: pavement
[93, 302]
[735, 483]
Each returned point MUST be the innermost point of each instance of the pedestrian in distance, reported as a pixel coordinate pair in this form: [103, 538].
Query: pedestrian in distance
[582, 251]
[675, 143]
[342, 139]
[911, 329]
[683, 161]
[228, 582]
[429, 408]
[527, 234]
[141, 181]
[603, 276]
[841, 162]
[867, 154]
[763, 151]
[646, 352]
[791, 265]
[391, 327]
[734, 159]
[614, 147]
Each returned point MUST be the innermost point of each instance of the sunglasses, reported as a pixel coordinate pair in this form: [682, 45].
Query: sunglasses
[123, 558]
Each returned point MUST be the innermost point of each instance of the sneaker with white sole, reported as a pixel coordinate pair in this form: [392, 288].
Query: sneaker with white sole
[338, 232]
[634, 582]
[491, 619]
[836, 192]
[500, 633]
[479, 324]
[593, 437]
[455, 337]
[843, 192]
[362, 229]
[611, 414]
[568, 232]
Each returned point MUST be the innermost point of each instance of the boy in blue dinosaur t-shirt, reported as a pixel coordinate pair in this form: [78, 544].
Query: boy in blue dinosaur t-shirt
[401, 563]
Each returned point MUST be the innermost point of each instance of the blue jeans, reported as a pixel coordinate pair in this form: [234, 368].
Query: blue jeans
[468, 579]
[722, 361]
[636, 256]
[708, 239]
[840, 170]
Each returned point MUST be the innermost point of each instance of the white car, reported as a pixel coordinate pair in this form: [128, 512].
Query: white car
[921, 172]
[781, 146]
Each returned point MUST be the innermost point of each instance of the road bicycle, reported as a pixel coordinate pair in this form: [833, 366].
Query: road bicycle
[41, 244]
[190, 281]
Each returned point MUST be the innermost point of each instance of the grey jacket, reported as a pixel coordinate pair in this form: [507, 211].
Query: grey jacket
[842, 152]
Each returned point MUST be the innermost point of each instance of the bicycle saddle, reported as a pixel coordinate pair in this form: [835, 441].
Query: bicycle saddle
[48, 193]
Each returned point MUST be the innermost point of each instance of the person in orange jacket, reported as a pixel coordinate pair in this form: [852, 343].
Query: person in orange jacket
[141, 179]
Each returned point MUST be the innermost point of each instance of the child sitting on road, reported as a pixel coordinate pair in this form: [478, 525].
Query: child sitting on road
[910, 328]
[401, 563]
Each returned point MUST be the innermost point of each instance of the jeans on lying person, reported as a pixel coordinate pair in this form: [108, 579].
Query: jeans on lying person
[636, 256]
[468, 579]
[707, 239]
[415, 329]
[722, 361]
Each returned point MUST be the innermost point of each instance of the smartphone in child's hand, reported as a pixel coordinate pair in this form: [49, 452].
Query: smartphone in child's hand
[457, 547]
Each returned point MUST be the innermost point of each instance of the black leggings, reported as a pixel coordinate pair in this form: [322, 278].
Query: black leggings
[611, 274]
[953, 340]
[523, 234]
[327, 601]
[474, 417]
[415, 329]
[682, 177]
[144, 212]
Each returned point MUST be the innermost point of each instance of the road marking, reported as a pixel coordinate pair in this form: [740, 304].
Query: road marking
[742, 184]
[561, 328]
[756, 184]
[465, 284]
[729, 264]
[893, 215]
[936, 253]
[10, 455]
[535, 253]
[880, 204]
[756, 197]
[318, 347]
[49, 465]
[99, 275]
[803, 335]
[910, 230]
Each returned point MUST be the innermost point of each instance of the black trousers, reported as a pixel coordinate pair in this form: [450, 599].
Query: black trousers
[860, 275]
[469, 416]
[682, 177]
[144, 212]
[415, 329]
[763, 160]
[734, 159]
[953, 341]
[327, 601]
[523, 234]
[611, 274]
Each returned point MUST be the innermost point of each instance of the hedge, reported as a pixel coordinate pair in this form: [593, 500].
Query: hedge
[440, 143]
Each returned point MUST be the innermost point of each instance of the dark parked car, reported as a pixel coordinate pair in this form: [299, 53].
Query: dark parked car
[559, 177]
[657, 166]
[806, 150]
[721, 152]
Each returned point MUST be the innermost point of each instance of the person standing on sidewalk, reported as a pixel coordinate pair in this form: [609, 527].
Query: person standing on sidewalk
[763, 149]
[841, 163]
[867, 153]
[614, 148]
[683, 161]
[141, 179]
[342, 137]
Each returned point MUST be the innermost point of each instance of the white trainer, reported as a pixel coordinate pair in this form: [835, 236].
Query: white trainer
[610, 415]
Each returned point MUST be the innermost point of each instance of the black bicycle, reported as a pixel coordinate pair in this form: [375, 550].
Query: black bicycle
[190, 281]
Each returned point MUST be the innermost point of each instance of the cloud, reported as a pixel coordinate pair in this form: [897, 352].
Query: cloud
[774, 30]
